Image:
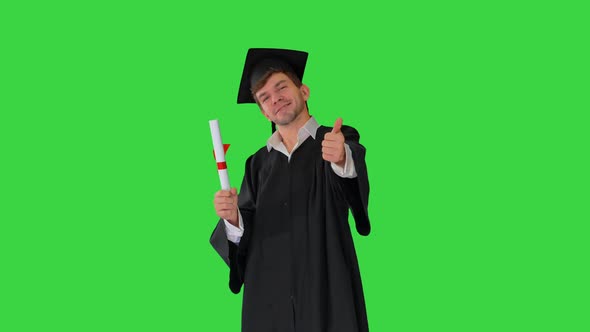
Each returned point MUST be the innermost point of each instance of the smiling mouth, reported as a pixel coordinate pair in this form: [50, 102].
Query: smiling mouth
[282, 107]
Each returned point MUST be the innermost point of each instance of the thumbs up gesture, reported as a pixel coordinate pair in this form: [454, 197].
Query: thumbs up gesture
[333, 145]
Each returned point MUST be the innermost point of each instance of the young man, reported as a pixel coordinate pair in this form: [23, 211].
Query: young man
[286, 236]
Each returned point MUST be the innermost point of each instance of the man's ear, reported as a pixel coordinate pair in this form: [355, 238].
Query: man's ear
[304, 91]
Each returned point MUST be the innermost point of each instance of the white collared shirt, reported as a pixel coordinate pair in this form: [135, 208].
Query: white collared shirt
[234, 234]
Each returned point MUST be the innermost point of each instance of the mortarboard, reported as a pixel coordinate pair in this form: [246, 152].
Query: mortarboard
[261, 60]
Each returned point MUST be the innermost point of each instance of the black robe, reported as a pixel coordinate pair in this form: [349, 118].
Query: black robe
[296, 258]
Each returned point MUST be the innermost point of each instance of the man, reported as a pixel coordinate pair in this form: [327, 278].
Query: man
[286, 236]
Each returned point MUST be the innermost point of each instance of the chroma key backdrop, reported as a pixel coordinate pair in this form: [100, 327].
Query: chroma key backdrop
[474, 116]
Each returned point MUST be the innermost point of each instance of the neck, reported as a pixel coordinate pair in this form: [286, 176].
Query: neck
[289, 132]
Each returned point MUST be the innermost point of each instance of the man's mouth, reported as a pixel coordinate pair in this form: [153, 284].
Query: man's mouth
[282, 108]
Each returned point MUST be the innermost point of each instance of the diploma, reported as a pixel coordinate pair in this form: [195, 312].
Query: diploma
[219, 154]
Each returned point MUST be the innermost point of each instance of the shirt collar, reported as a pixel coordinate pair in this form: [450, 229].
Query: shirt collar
[309, 129]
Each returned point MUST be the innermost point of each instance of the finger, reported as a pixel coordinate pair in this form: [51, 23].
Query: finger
[332, 143]
[223, 193]
[334, 137]
[227, 210]
[225, 207]
[337, 126]
[337, 144]
[220, 198]
[328, 157]
[224, 201]
[331, 151]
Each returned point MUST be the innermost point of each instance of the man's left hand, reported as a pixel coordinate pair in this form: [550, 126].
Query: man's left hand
[333, 145]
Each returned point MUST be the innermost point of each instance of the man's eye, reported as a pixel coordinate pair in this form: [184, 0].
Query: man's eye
[281, 88]
[264, 99]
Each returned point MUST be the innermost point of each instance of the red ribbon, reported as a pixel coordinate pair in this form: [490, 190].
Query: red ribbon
[225, 147]
[222, 165]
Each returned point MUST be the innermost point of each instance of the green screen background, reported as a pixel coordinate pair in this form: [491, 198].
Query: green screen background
[474, 116]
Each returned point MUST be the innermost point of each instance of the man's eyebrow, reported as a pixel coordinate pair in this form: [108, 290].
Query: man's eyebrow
[279, 82]
[276, 85]
[261, 95]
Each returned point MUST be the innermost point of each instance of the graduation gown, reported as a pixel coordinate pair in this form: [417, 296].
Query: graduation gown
[296, 258]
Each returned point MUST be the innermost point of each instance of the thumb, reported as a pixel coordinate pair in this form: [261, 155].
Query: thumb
[337, 126]
[233, 191]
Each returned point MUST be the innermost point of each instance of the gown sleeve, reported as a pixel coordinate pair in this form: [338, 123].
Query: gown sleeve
[356, 190]
[235, 255]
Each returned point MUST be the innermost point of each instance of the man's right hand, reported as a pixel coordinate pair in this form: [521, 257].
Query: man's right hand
[226, 205]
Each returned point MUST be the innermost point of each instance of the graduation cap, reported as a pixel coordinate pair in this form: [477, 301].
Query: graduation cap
[259, 61]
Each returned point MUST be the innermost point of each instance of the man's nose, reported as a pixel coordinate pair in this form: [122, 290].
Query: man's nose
[276, 98]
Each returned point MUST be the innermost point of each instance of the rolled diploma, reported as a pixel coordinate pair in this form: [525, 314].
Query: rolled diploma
[219, 154]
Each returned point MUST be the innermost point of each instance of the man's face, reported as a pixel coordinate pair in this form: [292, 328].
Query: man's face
[281, 101]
